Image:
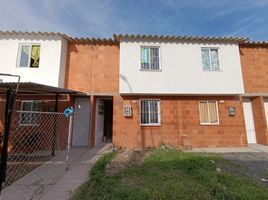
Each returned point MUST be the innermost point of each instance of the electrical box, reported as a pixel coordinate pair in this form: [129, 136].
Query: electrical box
[231, 111]
[127, 111]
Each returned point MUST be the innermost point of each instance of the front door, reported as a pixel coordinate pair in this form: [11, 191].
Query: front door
[249, 120]
[99, 121]
[81, 122]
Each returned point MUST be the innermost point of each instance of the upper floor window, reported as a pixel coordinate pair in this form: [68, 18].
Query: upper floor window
[150, 58]
[29, 55]
[210, 59]
[150, 111]
[28, 117]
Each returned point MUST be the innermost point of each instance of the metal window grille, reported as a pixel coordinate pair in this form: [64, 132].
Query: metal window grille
[150, 111]
[150, 58]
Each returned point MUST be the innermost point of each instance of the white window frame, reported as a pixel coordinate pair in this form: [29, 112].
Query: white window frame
[159, 113]
[29, 60]
[21, 108]
[219, 57]
[159, 59]
[217, 110]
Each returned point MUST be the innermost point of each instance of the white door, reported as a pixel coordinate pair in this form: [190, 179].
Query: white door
[81, 122]
[249, 120]
[266, 109]
[99, 122]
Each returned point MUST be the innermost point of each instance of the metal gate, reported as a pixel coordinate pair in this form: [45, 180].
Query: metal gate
[38, 150]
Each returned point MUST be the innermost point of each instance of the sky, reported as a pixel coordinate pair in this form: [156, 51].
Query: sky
[103, 18]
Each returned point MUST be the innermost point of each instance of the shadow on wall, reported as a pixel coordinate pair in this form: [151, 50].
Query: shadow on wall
[126, 81]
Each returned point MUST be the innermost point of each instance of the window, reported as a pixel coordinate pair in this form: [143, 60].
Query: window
[30, 118]
[29, 55]
[150, 112]
[210, 59]
[150, 58]
[208, 112]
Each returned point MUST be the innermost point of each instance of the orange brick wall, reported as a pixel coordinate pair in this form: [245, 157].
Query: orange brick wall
[254, 61]
[259, 120]
[179, 123]
[93, 67]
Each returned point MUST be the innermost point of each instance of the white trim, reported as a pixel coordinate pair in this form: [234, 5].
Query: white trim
[30, 52]
[159, 113]
[217, 110]
[209, 50]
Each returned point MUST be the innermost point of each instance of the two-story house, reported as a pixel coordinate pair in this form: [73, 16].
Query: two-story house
[182, 91]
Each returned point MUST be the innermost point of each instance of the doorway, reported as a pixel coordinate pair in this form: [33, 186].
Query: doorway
[104, 120]
[249, 120]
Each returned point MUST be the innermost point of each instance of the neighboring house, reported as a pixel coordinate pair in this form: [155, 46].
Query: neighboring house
[39, 58]
[35, 56]
[254, 60]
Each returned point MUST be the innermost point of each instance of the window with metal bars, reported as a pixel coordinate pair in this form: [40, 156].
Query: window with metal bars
[150, 58]
[150, 111]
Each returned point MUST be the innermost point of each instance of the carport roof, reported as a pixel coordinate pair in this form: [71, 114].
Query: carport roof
[36, 88]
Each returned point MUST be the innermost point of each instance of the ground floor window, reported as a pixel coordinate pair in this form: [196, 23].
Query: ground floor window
[30, 118]
[150, 111]
[208, 112]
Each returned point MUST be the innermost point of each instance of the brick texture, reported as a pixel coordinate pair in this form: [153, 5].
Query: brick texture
[180, 124]
[93, 67]
[254, 61]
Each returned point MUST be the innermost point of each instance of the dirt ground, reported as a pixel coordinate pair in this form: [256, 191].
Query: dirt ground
[251, 165]
[126, 158]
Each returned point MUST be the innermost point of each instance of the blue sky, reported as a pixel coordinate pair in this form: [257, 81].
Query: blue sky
[102, 18]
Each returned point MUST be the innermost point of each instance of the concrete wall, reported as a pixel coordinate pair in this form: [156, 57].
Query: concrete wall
[52, 59]
[181, 69]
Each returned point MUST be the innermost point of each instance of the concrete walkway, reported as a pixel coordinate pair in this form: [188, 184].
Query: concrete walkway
[51, 181]
[251, 148]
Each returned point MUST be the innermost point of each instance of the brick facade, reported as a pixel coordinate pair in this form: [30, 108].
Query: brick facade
[180, 124]
[93, 67]
[254, 61]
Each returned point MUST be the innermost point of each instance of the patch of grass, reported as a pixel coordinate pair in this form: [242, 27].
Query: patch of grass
[169, 174]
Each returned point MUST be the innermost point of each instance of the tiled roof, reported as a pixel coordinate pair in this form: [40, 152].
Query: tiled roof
[105, 40]
[180, 37]
[256, 43]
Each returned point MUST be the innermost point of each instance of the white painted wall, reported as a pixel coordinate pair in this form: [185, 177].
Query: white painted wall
[51, 69]
[181, 73]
